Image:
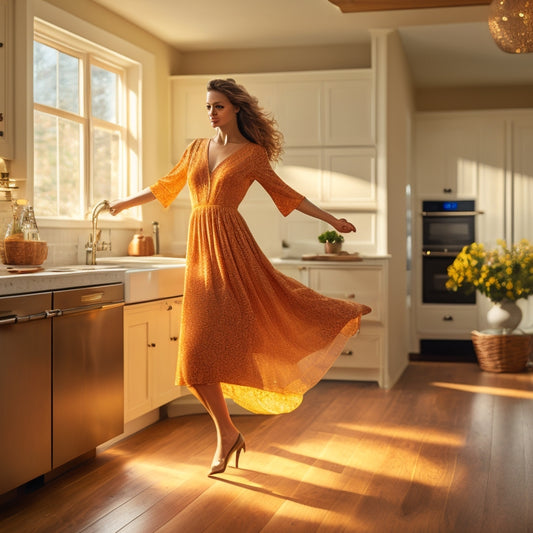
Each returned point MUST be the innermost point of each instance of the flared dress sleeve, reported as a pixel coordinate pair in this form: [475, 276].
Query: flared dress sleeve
[166, 189]
[284, 196]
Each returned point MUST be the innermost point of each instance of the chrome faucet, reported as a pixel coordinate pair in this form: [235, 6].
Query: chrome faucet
[93, 245]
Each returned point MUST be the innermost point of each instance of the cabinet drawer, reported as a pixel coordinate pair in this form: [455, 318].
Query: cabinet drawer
[447, 319]
[361, 351]
[361, 285]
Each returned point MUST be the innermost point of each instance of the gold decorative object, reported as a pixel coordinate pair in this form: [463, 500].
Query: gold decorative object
[511, 25]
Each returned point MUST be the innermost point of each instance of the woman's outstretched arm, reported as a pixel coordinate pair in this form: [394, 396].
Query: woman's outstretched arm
[142, 197]
[340, 224]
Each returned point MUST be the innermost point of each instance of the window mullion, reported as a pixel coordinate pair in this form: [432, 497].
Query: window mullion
[88, 142]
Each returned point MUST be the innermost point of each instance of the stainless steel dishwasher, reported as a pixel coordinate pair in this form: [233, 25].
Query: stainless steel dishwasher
[25, 388]
[87, 369]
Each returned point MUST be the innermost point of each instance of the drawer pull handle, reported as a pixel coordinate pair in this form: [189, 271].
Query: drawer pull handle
[151, 345]
[173, 338]
[95, 297]
[347, 352]
[350, 296]
[447, 318]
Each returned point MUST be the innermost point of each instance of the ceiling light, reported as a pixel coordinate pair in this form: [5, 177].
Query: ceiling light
[511, 25]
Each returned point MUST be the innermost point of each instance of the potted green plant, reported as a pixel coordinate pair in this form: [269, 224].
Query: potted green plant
[332, 241]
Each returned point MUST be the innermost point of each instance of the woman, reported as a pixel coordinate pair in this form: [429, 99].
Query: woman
[248, 332]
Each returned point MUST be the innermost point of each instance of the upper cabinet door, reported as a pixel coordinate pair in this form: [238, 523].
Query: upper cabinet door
[298, 112]
[349, 111]
[189, 115]
[6, 79]
[349, 178]
[447, 157]
[521, 218]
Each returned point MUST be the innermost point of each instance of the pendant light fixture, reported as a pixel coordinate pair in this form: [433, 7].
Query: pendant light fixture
[511, 25]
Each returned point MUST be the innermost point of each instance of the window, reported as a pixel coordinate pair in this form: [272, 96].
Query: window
[86, 145]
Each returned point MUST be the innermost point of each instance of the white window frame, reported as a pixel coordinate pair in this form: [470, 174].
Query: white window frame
[129, 114]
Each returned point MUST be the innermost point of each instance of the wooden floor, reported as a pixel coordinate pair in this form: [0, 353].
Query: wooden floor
[448, 449]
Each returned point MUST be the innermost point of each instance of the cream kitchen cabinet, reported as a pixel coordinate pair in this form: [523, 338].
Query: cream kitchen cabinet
[328, 122]
[151, 333]
[446, 156]
[480, 155]
[365, 356]
[333, 177]
[6, 79]
[320, 108]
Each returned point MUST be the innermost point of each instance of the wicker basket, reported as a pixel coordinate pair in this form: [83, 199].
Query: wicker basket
[20, 252]
[502, 353]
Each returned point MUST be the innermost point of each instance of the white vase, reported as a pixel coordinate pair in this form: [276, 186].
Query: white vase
[504, 316]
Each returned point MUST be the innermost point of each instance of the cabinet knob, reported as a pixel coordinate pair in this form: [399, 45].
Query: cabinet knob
[169, 308]
[347, 352]
[301, 269]
[447, 318]
[350, 296]
[151, 345]
[173, 338]
[447, 191]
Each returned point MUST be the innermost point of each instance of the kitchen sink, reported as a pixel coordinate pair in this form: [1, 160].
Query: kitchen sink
[149, 277]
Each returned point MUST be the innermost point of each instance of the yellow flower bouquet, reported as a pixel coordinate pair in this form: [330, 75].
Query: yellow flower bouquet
[505, 273]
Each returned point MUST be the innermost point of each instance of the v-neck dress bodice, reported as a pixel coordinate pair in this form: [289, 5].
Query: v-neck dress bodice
[264, 336]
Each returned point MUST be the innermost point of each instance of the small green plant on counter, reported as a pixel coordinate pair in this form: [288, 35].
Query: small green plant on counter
[331, 236]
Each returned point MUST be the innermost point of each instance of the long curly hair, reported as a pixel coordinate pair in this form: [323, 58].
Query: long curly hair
[254, 122]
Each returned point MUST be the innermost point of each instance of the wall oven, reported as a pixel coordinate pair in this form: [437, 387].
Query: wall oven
[447, 226]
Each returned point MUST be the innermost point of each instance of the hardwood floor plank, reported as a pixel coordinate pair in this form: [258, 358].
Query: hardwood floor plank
[448, 450]
[504, 510]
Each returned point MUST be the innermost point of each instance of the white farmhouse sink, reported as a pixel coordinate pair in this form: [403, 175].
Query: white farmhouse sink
[153, 260]
[149, 277]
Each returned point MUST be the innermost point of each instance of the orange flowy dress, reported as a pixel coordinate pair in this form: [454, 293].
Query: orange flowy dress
[264, 336]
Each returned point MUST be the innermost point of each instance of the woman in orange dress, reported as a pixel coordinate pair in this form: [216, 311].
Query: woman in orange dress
[248, 332]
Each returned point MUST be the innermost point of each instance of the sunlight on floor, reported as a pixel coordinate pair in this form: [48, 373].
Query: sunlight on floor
[413, 433]
[479, 389]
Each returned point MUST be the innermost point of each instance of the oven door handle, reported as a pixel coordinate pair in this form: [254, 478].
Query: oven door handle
[451, 213]
[440, 254]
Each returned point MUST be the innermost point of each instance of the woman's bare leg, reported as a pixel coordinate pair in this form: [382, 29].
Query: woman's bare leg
[211, 397]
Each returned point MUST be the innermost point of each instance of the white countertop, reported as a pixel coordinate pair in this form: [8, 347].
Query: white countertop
[330, 262]
[52, 278]
[152, 273]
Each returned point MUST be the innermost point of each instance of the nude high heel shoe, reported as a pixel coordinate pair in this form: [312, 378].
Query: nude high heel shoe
[221, 465]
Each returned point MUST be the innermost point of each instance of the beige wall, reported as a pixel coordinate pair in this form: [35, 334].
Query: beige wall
[275, 59]
[473, 98]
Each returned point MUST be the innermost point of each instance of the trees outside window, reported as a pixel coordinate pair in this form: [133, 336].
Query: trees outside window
[85, 111]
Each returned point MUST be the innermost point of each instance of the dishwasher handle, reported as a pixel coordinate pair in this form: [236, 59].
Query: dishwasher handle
[9, 320]
[87, 308]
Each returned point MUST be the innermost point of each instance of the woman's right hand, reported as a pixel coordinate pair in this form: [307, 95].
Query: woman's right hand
[116, 206]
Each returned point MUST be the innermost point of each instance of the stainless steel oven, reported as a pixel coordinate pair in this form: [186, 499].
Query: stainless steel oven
[447, 226]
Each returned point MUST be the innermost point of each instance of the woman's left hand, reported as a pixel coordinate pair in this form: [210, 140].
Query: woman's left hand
[343, 226]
